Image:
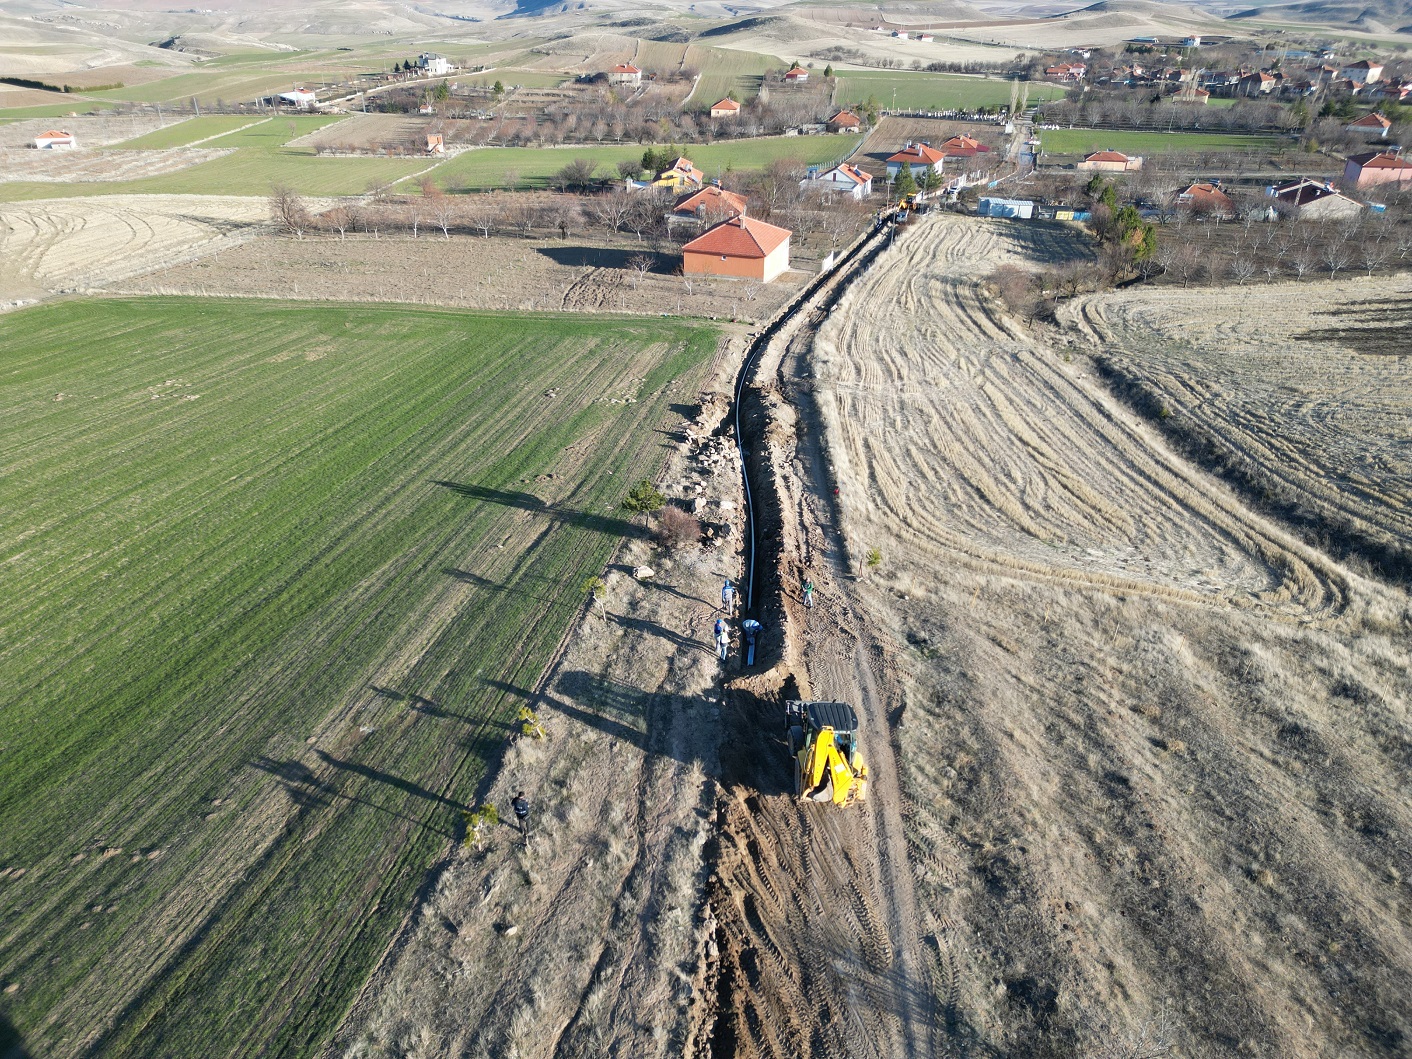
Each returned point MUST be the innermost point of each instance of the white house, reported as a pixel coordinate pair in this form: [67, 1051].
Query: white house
[625, 74]
[842, 179]
[55, 140]
[921, 158]
[302, 98]
[433, 65]
[1362, 72]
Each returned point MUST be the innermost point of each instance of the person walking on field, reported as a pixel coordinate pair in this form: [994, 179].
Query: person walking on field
[728, 597]
[723, 638]
[808, 592]
[521, 807]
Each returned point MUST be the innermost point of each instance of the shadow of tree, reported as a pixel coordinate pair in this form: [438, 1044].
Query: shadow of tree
[12, 1045]
[608, 524]
[310, 791]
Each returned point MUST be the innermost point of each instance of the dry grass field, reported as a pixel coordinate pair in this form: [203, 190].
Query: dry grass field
[80, 244]
[1301, 391]
[1153, 749]
[584, 273]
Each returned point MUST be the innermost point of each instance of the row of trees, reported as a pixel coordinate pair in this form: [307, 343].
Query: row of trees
[773, 193]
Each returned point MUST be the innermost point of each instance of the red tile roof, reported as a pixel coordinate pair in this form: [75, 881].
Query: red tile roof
[740, 237]
[51, 132]
[852, 172]
[1106, 156]
[1370, 121]
[725, 104]
[711, 198]
[626, 68]
[845, 117]
[962, 147]
[1380, 160]
[918, 152]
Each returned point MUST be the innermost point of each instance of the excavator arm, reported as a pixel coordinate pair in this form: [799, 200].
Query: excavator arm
[826, 774]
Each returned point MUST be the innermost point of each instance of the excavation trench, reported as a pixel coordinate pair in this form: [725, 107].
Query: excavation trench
[817, 946]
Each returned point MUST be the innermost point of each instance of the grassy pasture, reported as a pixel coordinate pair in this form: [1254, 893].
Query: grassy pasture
[189, 131]
[1082, 141]
[274, 575]
[507, 76]
[486, 168]
[923, 91]
[724, 70]
[276, 132]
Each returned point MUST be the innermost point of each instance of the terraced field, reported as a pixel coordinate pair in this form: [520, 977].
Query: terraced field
[268, 570]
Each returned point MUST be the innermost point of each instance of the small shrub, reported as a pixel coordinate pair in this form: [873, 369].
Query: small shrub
[644, 499]
[873, 558]
[477, 821]
[529, 724]
[678, 529]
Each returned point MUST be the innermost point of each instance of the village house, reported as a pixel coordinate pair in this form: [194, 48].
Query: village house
[963, 147]
[55, 140]
[301, 98]
[1206, 199]
[1258, 83]
[797, 76]
[625, 74]
[1196, 96]
[707, 205]
[1371, 124]
[842, 179]
[680, 176]
[725, 108]
[1362, 72]
[1391, 90]
[845, 121]
[742, 247]
[435, 143]
[926, 38]
[1315, 200]
[1110, 162]
[921, 158]
[1378, 167]
[1067, 71]
[901, 34]
[433, 65]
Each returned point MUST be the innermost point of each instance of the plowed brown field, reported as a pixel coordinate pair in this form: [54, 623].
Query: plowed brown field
[1148, 751]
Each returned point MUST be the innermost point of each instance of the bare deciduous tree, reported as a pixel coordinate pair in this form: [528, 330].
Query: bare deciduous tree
[640, 265]
[287, 210]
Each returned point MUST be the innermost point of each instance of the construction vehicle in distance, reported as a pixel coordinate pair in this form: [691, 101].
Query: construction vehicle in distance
[823, 740]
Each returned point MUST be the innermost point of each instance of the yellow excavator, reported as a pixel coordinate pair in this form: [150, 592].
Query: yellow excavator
[823, 740]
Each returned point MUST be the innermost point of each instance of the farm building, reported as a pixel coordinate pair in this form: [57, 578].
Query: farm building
[1207, 199]
[901, 34]
[625, 74]
[434, 65]
[1110, 162]
[725, 108]
[1021, 208]
[1067, 71]
[926, 38]
[55, 140]
[842, 179]
[1315, 200]
[1372, 124]
[1378, 167]
[302, 98]
[845, 121]
[680, 176]
[435, 143]
[742, 247]
[922, 158]
[711, 203]
[1362, 72]
[797, 76]
[1198, 96]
